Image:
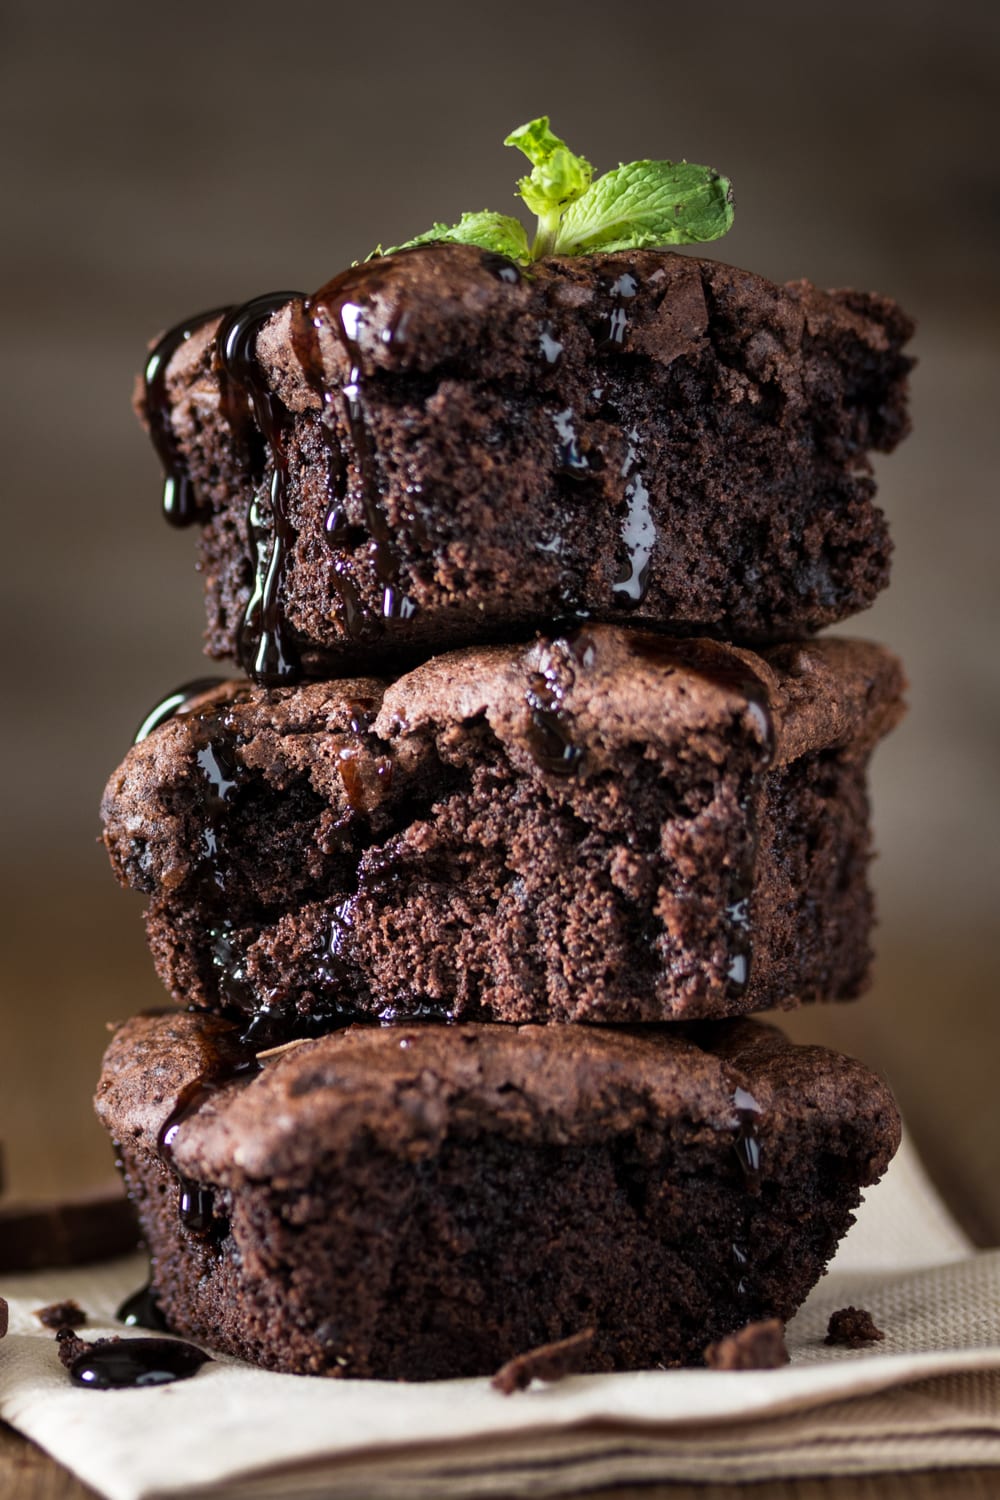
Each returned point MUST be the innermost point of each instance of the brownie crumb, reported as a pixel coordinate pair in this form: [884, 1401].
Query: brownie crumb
[4, 1315]
[758, 1346]
[852, 1327]
[70, 1346]
[547, 1362]
[67, 1314]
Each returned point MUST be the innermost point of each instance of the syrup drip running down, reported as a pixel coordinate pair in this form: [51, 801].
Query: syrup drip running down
[747, 1143]
[142, 1310]
[196, 1202]
[638, 531]
[333, 969]
[266, 649]
[712, 662]
[180, 504]
[175, 705]
[341, 307]
[219, 771]
[261, 424]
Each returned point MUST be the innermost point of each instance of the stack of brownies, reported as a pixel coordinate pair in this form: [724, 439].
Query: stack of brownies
[536, 785]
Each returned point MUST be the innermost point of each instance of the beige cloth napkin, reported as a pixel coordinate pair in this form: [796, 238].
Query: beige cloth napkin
[929, 1395]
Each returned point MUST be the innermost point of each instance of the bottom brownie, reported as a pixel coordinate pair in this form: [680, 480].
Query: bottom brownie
[426, 1201]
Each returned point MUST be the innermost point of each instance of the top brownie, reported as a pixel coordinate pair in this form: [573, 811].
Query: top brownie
[440, 449]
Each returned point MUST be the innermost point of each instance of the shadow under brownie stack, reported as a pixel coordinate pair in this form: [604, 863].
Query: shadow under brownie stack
[536, 786]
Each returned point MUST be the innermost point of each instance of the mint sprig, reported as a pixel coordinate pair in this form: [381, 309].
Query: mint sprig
[634, 206]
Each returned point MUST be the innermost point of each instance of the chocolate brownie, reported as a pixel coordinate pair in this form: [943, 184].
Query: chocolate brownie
[610, 826]
[758, 1346]
[438, 449]
[428, 1201]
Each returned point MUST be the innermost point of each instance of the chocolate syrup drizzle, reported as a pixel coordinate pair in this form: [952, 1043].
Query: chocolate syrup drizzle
[142, 1310]
[360, 624]
[175, 705]
[638, 530]
[747, 1143]
[341, 308]
[120, 1364]
[260, 424]
[180, 504]
[550, 734]
[267, 651]
[216, 779]
[196, 1202]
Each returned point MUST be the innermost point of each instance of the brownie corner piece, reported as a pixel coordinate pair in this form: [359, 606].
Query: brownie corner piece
[443, 1199]
[459, 450]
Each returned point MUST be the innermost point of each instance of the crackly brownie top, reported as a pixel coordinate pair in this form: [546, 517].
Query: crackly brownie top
[359, 741]
[461, 450]
[452, 306]
[403, 1089]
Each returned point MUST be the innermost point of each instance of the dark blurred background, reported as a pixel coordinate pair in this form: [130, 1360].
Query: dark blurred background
[164, 159]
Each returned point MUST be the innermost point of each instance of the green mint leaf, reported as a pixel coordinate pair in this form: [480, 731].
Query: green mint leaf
[647, 203]
[490, 231]
[558, 177]
[637, 206]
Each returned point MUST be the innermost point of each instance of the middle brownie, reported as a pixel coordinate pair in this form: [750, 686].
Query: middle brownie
[609, 826]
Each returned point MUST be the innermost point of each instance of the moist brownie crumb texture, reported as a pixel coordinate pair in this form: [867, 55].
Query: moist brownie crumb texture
[537, 784]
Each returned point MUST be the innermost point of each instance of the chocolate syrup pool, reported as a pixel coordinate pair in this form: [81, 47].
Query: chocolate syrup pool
[129, 1363]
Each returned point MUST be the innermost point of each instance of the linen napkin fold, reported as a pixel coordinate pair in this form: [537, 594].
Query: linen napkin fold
[928, 1395]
